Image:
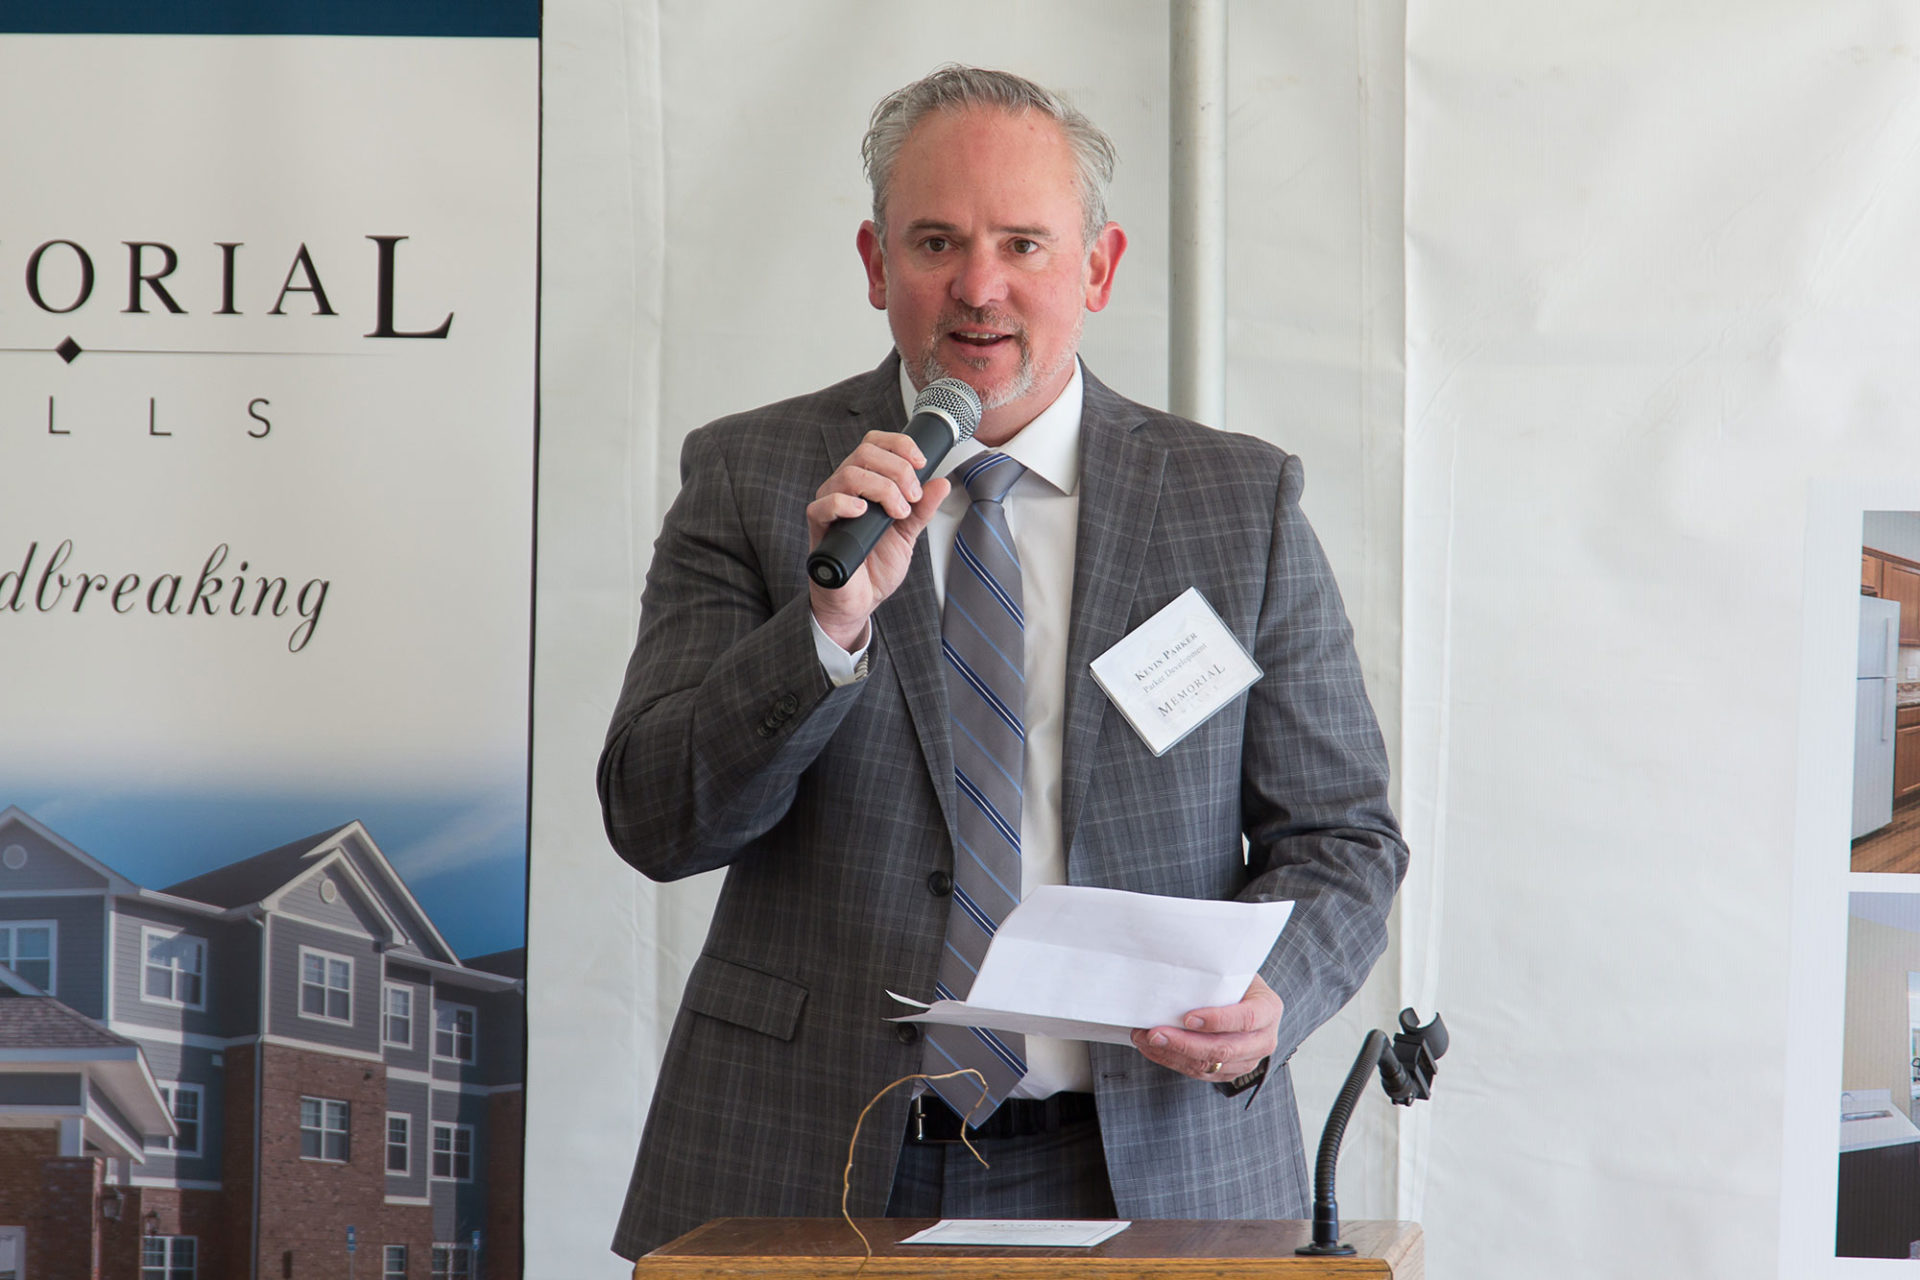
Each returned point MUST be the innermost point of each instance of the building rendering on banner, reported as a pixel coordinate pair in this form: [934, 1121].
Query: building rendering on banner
[233, 1077]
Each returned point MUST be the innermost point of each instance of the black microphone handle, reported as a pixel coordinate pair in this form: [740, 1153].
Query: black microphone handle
[848, 542]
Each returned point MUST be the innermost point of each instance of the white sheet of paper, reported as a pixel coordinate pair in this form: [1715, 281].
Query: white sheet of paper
[1058, 1233]
[1081, 963]
[1173, 671]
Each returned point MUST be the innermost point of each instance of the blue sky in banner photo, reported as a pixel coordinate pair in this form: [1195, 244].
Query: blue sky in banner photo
[462, 855]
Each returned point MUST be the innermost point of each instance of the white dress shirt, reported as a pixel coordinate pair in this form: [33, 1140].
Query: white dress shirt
[1043, 509]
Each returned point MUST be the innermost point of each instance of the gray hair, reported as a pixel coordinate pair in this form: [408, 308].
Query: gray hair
[954, 87]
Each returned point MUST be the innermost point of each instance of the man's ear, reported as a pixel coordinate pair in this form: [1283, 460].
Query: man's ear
[1103, 259]
[873, 257]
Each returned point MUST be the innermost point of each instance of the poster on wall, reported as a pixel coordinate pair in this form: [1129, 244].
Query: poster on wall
[268, 298]
[1877, 1203]
[1850, 1188]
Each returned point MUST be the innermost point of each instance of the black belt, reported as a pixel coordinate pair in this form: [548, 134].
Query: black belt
[931, 1120]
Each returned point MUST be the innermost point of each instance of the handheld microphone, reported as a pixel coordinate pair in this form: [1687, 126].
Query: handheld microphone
[944, 414]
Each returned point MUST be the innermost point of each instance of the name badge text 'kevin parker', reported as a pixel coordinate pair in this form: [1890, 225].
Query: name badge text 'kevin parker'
[1175, 670]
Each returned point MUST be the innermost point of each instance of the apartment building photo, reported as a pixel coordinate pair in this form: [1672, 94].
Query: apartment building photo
[276, 1069]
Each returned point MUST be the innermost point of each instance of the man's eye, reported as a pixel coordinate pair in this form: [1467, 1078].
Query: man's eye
[934, 244]
[1024, 246]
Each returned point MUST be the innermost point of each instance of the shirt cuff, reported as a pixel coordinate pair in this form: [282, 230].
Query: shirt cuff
[842, 668]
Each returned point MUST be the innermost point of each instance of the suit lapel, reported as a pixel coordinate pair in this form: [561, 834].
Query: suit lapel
[1119, 493]
[907, 624]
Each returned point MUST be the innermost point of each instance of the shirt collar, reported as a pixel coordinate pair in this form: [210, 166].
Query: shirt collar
[1049, 446]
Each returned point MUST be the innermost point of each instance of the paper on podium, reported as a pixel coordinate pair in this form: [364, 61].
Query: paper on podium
[1081, 963]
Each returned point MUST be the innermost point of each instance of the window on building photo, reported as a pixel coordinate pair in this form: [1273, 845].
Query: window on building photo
[176, 968]
[326, 986]
[168, 1258]
[453, 1032]
[398, 1015]
[28, 950]
[183, 1102]
[453, 1152]
[399, 1142]
[395, 1265]
[452, 1262]
[323, 1129]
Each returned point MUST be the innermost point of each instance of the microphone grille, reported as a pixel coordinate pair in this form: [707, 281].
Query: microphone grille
[955, 399]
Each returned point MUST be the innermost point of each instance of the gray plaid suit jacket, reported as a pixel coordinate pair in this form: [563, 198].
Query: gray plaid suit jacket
[832, 807]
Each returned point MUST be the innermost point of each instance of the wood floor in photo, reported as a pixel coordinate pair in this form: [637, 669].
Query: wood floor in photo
[1895, 847]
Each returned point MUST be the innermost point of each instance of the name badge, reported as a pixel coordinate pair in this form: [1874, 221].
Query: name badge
[1174, 671]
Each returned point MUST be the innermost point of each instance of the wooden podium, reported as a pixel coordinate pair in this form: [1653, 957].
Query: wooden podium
[806, 1248]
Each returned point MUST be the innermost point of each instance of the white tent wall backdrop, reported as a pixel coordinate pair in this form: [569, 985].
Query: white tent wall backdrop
[1562, 305]
[1660, 274]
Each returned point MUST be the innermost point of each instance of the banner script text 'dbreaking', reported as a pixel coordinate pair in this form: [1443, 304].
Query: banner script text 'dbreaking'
[43, 584]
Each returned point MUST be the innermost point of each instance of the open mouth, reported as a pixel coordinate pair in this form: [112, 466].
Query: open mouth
[978, 337]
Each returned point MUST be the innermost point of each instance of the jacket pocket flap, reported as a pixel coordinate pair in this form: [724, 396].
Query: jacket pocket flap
[745, 997]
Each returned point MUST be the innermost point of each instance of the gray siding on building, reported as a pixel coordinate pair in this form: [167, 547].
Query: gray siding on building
[166, 1060]
[283, 998]
[39, 1089]
[190, 1065]
[131, 1004]
[413, 1100]
[400, 971]
[458, 1210]
[499, 1031]
[378, 873]
[449, 1070]
[78, 953]
[236, 998]
[460, 1207]
[501, 1054]
[348, 910]
[453, 1107]
[47, 866]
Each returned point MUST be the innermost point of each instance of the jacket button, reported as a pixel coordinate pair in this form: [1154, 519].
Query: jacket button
[787, 705]
[765, 730]
[939, 884]
[906, 1032]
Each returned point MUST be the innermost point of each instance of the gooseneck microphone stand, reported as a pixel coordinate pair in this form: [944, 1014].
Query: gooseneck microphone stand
[1406, 1073]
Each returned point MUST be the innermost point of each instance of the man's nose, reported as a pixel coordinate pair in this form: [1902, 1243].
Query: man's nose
[981, 280]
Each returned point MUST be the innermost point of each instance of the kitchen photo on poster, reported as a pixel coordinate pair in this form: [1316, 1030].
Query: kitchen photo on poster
[1886, 742]
[1879, 1187]
[267, 402]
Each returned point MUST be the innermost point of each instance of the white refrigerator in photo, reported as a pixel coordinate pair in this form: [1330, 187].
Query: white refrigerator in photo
[1875, 691]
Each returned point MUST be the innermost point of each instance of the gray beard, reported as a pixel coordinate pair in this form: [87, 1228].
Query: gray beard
[930, 368]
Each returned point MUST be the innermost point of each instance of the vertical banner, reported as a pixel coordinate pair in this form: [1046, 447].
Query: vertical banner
[1850, 1193]
[268, 290]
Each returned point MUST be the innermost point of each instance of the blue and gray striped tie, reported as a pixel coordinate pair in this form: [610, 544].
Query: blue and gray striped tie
[981, 633]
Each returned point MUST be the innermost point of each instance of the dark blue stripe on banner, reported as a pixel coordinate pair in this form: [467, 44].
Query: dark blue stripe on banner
[272, 17]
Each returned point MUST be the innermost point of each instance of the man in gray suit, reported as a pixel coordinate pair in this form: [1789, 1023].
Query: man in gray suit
[801, 737]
